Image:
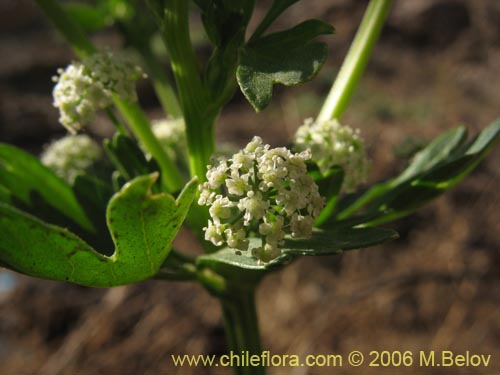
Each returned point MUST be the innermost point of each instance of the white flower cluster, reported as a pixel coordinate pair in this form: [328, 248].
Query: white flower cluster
[332, 144]
[71, 156]
[172, 136]
[261, 190]
[87, 86]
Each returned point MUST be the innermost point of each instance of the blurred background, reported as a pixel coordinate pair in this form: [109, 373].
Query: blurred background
[437, 65]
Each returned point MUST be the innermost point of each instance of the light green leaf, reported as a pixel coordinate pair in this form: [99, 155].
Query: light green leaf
[288, 57]
[141, 224]
[27, 179]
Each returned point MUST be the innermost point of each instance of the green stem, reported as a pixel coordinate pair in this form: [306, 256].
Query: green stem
[242, 328]
[174, 22]
[116, 122]
[356, 60]
[134, 115]
[373, 193]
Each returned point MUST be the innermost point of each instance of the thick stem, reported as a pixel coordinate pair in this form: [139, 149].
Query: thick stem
[356, 60]
[192, 94]
[242, 329]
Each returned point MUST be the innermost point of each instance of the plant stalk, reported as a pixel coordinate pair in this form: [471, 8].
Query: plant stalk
[193, 97]
[356, 60]
[242, 330]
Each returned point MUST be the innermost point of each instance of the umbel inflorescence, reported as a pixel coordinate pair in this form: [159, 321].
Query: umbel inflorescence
[85, 87]
[71, 155]
[332, 144]
[260, 191]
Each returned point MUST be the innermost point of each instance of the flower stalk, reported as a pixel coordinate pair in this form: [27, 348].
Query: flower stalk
[355, 62]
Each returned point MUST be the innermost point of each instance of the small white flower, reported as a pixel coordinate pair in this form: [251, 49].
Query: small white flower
[87, 86]
[206, 196]
[301, 226]
[254, 206]
[268, 194]
[213, 233]
[221, 208]
[237, 185]
[332, 144]
[237, 238]
[71, 155]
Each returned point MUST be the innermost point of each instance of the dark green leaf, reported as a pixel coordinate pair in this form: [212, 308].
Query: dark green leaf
[223, 19]
[288, 57]
[142, 225]
[293, 38]
[334, 241]
[232, 263]
[437, 151]
[90, 18]
[278, 7]
[5, 195]
[128, 158]
[94, 195]
[439, 167]
[240, 265]
[26, 179]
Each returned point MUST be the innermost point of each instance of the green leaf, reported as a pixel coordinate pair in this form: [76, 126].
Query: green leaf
[127, 157]
[90, 18]
[335, 241]
[94, 195]
[287, 57]
[277, 8]
[5, 196]
[241, 264]
[329, 185]
[142, 225]
[223, 19]
[436, 152]
[439, 167]
[26, 178]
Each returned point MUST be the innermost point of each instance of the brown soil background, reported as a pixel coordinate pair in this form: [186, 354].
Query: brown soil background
[437, 65]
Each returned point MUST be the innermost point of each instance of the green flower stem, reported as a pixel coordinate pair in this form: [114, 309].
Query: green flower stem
[356, 60]
[131, 112]
[174, 24]
[116, 122]
[242, 328]
[369, 196]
